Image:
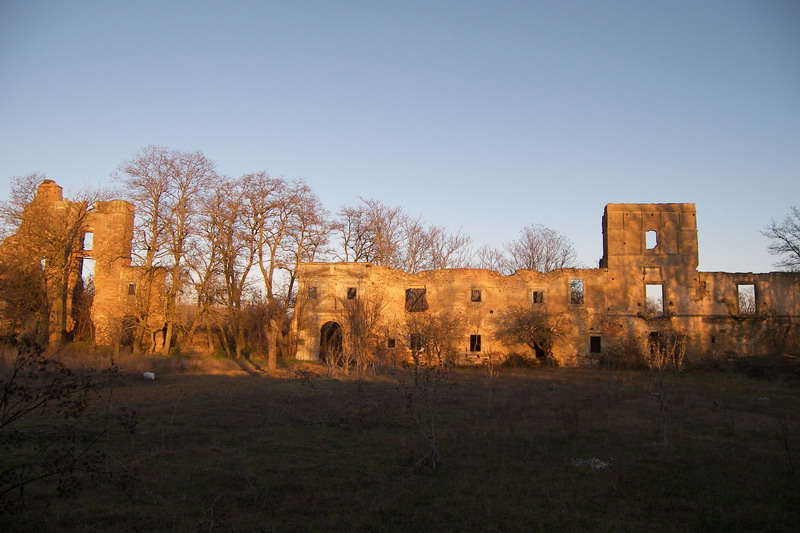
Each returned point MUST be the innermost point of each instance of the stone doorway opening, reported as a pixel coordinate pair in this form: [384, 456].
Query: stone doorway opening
[330, 343]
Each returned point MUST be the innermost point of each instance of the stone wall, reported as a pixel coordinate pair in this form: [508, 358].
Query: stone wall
[704, 308]
[125, 297]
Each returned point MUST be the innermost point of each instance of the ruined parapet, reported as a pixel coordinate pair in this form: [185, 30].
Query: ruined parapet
[647, 287]
[654, 235]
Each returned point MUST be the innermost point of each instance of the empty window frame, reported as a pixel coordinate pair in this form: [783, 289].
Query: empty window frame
[650, 239]
[88, 241]
[595, 344]
[474, 343]
[475, 295]
[746, 296]
[576, 291]
[654, 299]
[391, 343]
[351, 293]
[312, 293]
[131, 289]
[415, 343]
[416, 301]
[537, 297]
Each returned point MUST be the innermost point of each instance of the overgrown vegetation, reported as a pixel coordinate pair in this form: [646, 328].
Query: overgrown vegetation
[557, 449]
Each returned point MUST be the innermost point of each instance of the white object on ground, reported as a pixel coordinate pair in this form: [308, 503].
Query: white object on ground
[149, 375]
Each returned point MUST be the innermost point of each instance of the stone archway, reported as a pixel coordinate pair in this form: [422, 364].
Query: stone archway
[330, 343]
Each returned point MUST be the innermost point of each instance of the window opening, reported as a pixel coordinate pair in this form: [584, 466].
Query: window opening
[416, 301]
[88, 241]
[650, 239]
[391, 343]
[654, 299]
[475, 295]
[576, 291]
[87, 270]
[537, 297]
[131, 289]
[312, 293]
[351, 293]
[595, 344]
[474, 343]
[415, 342]
[746, 295]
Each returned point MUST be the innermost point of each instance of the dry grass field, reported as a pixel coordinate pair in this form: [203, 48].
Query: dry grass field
[215, 446]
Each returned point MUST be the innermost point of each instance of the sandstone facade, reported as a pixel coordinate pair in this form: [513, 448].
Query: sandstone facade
[126, 298]
[647, 285]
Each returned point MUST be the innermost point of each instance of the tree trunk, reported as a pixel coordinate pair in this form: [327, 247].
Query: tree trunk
[167, 339]
[272, 345]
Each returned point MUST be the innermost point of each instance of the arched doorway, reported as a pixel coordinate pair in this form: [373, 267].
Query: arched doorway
[330, 343]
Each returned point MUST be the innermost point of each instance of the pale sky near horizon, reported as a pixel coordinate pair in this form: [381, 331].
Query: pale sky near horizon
[484, 116]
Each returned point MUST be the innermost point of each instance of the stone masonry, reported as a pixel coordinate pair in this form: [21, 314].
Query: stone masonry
[647, 284]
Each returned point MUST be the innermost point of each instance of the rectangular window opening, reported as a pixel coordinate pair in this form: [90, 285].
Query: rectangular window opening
[391, 343]
[351, 293]
[416, 301]
[415, 342]
[88, 241]
[475, 295]
[746, 295]
[131, 289]
[312, 293]
[576, 291]
[654, 299]
[474, 343]
[595, 344]
[537, 297]
[650, 240]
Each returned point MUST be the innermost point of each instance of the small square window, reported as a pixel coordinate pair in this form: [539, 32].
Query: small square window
[351, 293]
[475, 295]
[312, 293]
[474, 343]
[416, 302]
[537, 297]
[391, 343]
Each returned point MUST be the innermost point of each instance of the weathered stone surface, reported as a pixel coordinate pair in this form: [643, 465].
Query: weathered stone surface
[125, 297]
[704, 307]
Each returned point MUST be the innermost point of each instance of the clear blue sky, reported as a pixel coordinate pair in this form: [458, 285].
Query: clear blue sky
[486, 116]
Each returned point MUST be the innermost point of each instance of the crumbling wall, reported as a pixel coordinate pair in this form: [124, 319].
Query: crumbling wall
[647, 249]
[53, 226]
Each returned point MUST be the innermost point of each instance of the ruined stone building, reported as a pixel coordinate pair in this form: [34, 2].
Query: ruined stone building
[647, 285]
[56, 237]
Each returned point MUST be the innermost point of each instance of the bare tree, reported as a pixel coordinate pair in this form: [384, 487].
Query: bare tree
[45, 256]
[388, 236]
[531, 327]
[165, 187]
[231, 230]
[542, 249]
[433, 335]
[23, 190]
[490, 258]
[362, 318]
[785, 240]
[449, 250]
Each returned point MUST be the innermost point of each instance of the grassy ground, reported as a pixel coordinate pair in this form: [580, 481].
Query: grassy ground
[513, 452]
